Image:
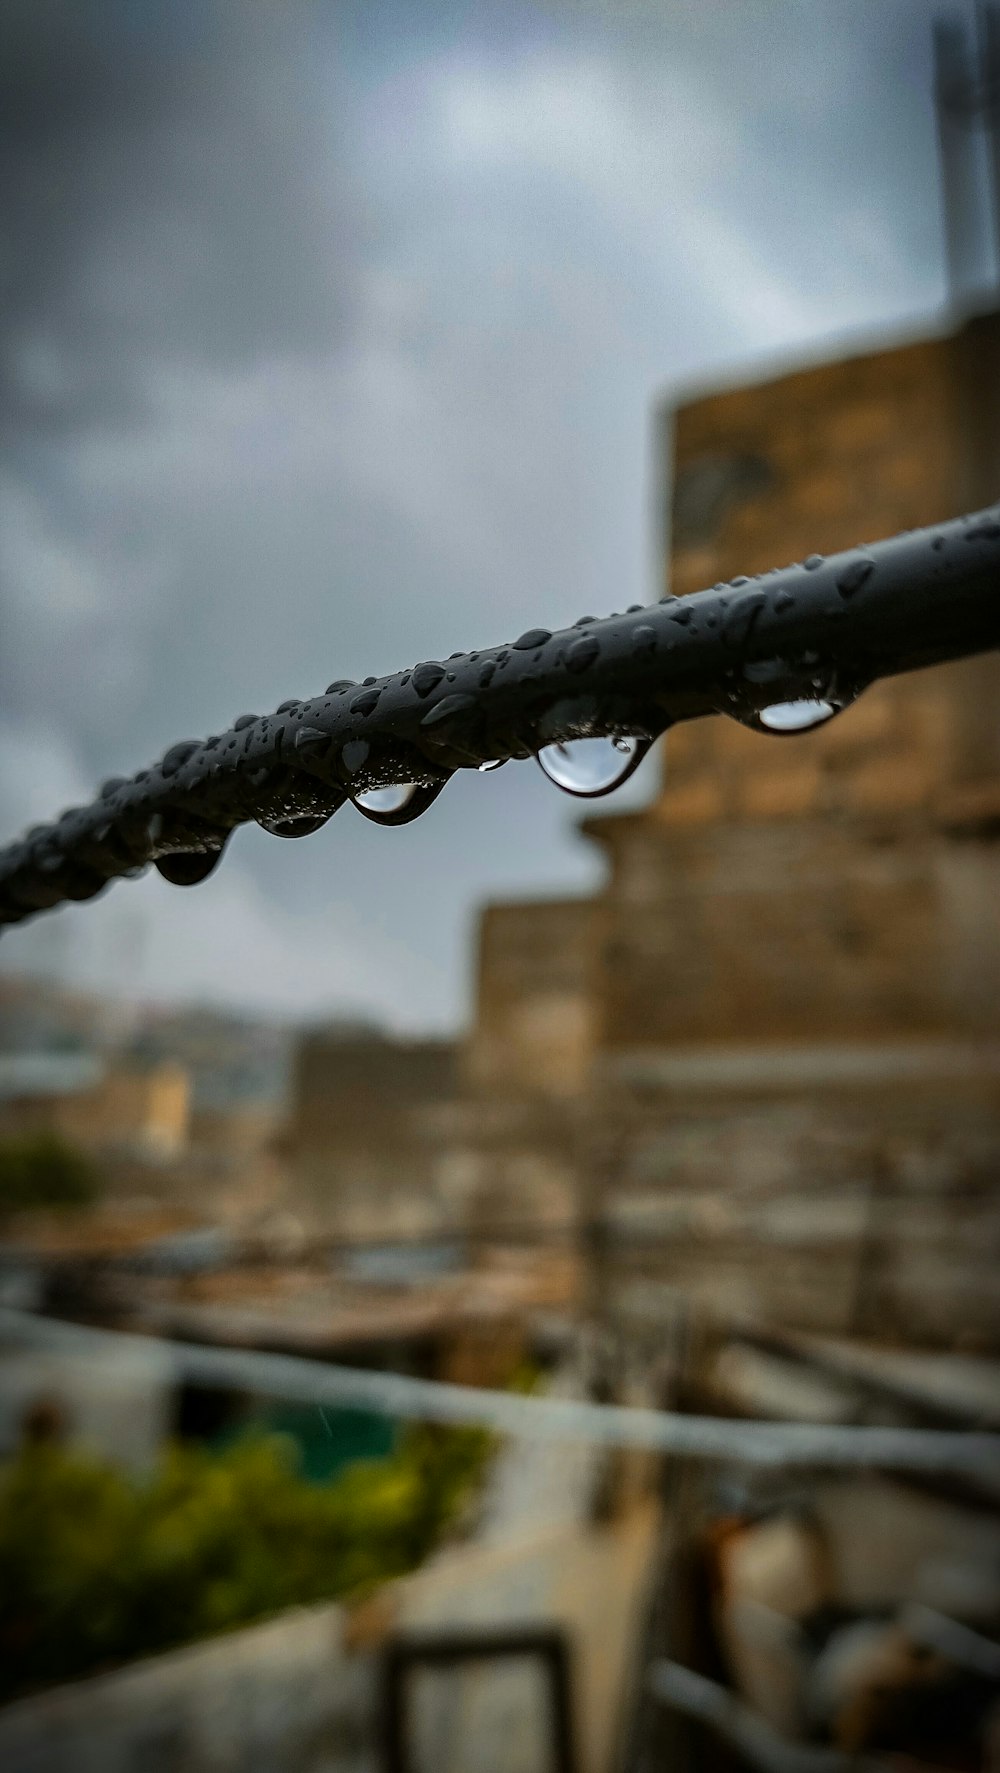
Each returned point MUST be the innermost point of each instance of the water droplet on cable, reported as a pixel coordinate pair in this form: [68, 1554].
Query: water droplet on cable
[302, 827]
[399, 802]
[427, 677]
[492, 763]
[366, 701]
[589, 767]
[385, 800]
[853, 576]
[354, 755]
[342, 683]
[799, 716]
[244, 720]
[449, 708]
[286, 707]
[532, 638]
[580, 654]
[742, 616]
[172, 760]
[812, 561]
[188, 867]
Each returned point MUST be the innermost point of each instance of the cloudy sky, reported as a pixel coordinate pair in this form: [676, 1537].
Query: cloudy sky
[330, 335]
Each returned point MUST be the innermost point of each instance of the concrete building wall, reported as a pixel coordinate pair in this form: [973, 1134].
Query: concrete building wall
[791, 908]
[534, 1026]
[364, 1139]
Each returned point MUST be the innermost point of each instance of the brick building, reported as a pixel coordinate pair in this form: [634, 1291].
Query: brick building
[776, 1032]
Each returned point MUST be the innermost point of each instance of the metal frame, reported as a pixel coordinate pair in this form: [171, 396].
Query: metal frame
[454, 1647]
[820, 629]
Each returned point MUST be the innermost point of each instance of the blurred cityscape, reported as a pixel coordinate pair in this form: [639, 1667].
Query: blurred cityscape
[720, 1139]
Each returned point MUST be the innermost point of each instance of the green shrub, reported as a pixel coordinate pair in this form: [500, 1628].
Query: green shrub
[44, 1170]
[98, 1567]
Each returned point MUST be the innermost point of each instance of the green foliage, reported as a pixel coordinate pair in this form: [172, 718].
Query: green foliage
[43, 1170]
[97, 1567]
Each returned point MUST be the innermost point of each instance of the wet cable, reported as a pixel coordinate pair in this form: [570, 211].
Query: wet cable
[783, 653]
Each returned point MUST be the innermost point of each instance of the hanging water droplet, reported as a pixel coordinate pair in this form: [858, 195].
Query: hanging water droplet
[304, 826]
[188, 867]
[398, 802]
[799, 716]
[590, 767]
[385, 800]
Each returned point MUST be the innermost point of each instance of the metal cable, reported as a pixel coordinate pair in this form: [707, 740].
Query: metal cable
[808, 637]
[807, 1445]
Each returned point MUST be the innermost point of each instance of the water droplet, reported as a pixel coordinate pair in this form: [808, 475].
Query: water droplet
[741, 617]
[580, 654]
[783, 600]
[178, 754]
[397, 803]
[385, 800]
[492, 763]
[188, 867]
[486, 674]
[342, 683]
[799, 716]
[286, 707]
[427, 677]
[111, 786]
[366, 702]
[448, 709]
[682, 615]
[853, 576]
[741, 579]
[303, 827]
[812, 561]
[644, 638]
[590, 767]
[311, 739]
[531, 638]
[243, 720]
[354, 755]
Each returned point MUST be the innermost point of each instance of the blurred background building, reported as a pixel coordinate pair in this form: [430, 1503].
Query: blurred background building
[720, 1137]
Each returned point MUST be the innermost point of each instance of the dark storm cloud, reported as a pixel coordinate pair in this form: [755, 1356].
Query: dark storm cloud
[329, 339]
[155, 200]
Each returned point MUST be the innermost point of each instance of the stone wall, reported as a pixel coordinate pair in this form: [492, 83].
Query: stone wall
[794, 1108]
[368, 1130]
